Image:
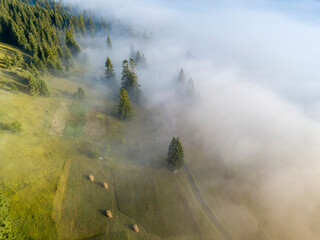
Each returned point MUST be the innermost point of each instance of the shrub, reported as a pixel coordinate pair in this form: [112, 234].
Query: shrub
[80, 93]
[95, 153]
[15, 126]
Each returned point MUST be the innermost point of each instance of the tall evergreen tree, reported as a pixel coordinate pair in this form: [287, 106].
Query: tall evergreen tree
[181, 77]
[71, 43]
[110, 75]
[175, 158]
[109, 43]
[129, 80]
[80, 93]
[125, 108]
[6, 61]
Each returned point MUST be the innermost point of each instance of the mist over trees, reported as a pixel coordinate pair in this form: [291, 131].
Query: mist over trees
[129, 80]
[109, 74]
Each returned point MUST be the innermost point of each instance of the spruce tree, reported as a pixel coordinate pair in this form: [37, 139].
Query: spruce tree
[138, 57]
[71, 43]
[109, 44]
[175, 154]
[129, 80]
[19, 58]
[125, 108]
[80, 93]
[181, 77]
[110, 75]
[6, 61]
[14, 61]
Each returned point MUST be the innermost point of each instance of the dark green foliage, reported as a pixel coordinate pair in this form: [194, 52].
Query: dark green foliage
[109, 44]
[110, 75]
[129, 80]
[14, 61]
[6, 61]
[95, 153]
[175, 154]
[71, 43]
[19, 58]
[15, 127]
[125, 109]
[37, 86]
[76, 120]
[5, 221]
[80, 93]
[40, 28]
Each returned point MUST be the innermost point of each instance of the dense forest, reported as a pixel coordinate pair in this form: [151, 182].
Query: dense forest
[45, 30]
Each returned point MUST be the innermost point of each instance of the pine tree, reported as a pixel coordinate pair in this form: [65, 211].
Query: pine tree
[125, 75]
[80, 93]
[14, 61]
[181, 77]
[19, 58]
[37, 86]
[175, 154]
[109, 44]
[129, 80]
[6, 61]
[138, 57]
[125, 109]
[71, 43]
[110, 75]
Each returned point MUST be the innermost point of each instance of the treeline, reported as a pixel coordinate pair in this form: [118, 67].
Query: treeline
[45, 30]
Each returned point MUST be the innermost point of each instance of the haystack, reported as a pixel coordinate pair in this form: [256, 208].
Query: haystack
[135, 228]
[91, 178]
[105, 185]
[175, 171]
[109, 214]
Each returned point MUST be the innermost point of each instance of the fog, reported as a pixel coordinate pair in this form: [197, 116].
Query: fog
[256, 108]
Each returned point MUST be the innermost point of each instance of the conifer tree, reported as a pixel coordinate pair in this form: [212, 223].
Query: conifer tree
[71, 43]
[80, 93]
[110, 75]
[37, 86]
[138, 57]
[181, 77]
[125, 108]
[6, 61]
[14, 61]
[109, 43]
[175, 154]
[19, 58]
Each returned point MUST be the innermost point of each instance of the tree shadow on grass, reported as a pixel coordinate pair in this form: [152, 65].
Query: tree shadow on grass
[8, 86]
[17, 78]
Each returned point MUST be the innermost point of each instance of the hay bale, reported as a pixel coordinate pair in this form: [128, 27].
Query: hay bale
[135, 228]
[91, 178]
[105, 185]
[109, 214]
[175, 171]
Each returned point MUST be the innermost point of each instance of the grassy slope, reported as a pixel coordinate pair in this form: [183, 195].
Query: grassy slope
[45, 177]
[31, 162]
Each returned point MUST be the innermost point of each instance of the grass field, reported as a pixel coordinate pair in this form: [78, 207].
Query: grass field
[45, 176]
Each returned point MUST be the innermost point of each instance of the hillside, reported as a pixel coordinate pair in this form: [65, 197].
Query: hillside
[44, 174]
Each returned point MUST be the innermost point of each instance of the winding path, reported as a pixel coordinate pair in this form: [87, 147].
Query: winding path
[198, 195]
